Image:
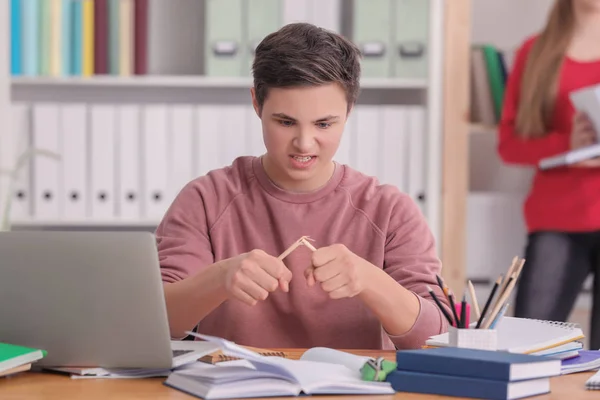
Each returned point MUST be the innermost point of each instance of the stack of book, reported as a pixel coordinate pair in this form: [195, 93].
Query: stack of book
[472, 373]
[15, 358]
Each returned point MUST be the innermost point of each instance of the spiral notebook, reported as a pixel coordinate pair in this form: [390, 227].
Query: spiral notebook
[527, 336]
[593, 383]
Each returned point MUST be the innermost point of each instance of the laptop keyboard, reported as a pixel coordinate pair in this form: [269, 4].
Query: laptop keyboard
[177, 353]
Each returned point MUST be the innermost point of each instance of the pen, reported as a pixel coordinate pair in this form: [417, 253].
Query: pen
[463, 312]
[450, 299]
[488, 302]
[439, 304]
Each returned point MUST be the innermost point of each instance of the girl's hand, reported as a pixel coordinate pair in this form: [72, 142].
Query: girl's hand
[582, 135]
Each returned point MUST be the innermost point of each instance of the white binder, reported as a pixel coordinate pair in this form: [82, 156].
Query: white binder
[102, 148]
[254, 135]
[128, 163]
[181, 134]
[154, 156]
[343, 154]
[297, 11]
[46, 170]
[19, 141]
[207, 135]
[232, 134]
[367, 138]
[326, 14]
[394, 130]
[73, 171]
[416, 156]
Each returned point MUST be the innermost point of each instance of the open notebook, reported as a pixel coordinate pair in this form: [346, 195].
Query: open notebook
[318, 371]
[522, 335]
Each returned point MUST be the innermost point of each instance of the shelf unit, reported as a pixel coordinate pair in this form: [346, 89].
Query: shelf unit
[444, 94]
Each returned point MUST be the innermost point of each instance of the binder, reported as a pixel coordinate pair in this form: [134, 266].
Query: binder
[181, 134]
[372, 27]
[254, 134]
[366, 146]
[31, 37]
[46, 182]
[412, 37]
[232, 134]
[66, 38]
[129, 175]
[326, 14]
[296, 11]
[154, 156]
[88, 38]
[395, 152]
[224, 38]
[416, 155]
[102, 161]
[44, 38]
[56, 14]
[126, 30]
[343, 154]
[207, 138]
[16, 65]
[262, 18]
[19, 141]
[74, 169]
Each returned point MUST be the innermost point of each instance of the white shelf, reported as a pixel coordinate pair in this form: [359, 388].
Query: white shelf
[116, 223]
[190, 81]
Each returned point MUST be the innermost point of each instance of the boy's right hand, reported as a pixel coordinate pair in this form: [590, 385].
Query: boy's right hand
[251, 276]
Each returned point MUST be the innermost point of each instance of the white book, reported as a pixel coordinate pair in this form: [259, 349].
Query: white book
[19, 142]
[128, 163]
[74, 169]
[181, 162]
[154, 156]
[102, 164]
[46, 170]
[320, 371]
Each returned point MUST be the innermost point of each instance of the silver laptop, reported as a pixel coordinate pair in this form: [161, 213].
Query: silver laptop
[90, 299]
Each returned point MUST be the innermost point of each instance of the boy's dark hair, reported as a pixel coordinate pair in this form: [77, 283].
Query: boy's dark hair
[302, 54]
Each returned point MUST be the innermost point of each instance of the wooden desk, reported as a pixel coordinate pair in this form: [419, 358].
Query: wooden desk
[51, 386]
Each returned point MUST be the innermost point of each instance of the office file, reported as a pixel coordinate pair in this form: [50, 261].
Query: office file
[394, 149]
[372, 27]
[367, 140]
[73, 171]
[262, 18]
[416, 155]
[114, 51]
[224, 38]
[154, 166]
[30, 11]
[126, 31]
[343, 154]
[296, 11]
[181, 147]
[207, 134]
[412, 38]
[16, 65]
[56, 37]
[102, 161]
[232, 134]
[45, 37]
[254, 134]
[66, 37]
[46, 182]
[19, 142]
[129, 175]
[88, 38]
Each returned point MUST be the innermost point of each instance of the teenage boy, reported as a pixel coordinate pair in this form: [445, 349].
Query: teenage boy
[365, 285]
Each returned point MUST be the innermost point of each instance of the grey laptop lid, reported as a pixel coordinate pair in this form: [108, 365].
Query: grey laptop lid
[87, 298]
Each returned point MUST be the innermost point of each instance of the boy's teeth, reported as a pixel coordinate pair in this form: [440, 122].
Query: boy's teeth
[303, 159]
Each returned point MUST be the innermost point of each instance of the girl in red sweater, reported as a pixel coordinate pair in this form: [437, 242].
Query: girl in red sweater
[562, 211]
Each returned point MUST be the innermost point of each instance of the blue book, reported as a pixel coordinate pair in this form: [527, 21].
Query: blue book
[482, 364]
[457, 386]
[15, 38]
[66, 40]
[31, 33]
[77, 37]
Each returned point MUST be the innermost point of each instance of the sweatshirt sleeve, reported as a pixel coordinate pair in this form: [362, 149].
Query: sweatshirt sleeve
[512, 148]
[410, 258]
[184, 246]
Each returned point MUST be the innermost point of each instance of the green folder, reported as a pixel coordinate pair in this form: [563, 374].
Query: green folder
[411, 43]
[262, 18]
[495, 77]
[223, 55]
[372, 23]
[12, 356]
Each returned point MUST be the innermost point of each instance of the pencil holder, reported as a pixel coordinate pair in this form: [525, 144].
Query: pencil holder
[482, 339]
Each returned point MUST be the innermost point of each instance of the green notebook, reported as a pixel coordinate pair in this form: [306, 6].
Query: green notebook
[495, 77]
[12, 356]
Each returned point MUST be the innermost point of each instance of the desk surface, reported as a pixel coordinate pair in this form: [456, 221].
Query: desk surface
[52, 386]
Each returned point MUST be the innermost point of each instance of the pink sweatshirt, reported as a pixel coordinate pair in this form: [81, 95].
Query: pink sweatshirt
[237, 209]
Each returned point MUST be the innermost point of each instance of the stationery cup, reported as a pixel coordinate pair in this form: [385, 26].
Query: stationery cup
[482, 339]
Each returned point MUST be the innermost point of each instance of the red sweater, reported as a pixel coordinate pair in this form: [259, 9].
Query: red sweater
[561, 199]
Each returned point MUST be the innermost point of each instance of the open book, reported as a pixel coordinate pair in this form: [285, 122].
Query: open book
[586, 100]
[318, 371]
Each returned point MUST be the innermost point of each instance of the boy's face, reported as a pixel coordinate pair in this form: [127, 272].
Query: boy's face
[302, 128]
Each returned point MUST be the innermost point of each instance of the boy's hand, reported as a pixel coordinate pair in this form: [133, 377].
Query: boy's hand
[251, 276]
[340, 272]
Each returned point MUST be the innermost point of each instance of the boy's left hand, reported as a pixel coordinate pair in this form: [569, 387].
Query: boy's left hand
[340, 272]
